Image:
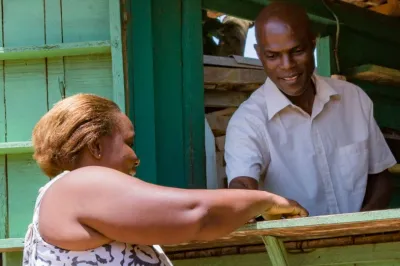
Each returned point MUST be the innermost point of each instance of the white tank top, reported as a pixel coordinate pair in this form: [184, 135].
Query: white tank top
[39, 253]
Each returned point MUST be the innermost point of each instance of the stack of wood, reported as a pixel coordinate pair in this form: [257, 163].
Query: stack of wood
[228, 81]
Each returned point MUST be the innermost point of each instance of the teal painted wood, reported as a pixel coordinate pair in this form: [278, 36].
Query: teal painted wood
[116, 53]
[23, 25]
[276, 251]
[142, 109]
[16, 147]
[55, 75]
[325, 63]
[89, 74]
[327, 219]
[84, 21]
[166, 97]
[257, 259]
[193, 94]
[167, 38]
[55, 50]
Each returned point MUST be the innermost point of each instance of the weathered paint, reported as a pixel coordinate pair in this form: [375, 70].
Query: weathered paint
[51, 48]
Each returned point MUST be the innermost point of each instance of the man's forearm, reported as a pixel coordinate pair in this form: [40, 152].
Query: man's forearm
[378, 192]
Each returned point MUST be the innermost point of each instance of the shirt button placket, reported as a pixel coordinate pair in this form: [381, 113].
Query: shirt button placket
[323, 168]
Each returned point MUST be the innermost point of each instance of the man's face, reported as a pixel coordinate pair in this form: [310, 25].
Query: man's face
[287, 54]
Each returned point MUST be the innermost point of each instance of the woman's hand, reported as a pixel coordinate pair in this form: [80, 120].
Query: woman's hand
[284, 208]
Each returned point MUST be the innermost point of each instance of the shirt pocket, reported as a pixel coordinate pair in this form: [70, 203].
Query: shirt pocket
[353, 165]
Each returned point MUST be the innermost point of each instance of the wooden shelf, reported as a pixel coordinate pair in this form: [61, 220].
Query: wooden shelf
[55, 50]
[16, 147]
[374, 73]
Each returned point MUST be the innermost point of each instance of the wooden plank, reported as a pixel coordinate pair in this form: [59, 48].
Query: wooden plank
[365, 255]
[224, 99]
[319, 227]
[218, 124]
[27, 78]
[24, 180]
[11, 244]
[16, 147]
[117, 62]
[193, 95]
[244, 244]
[3, 198]
[276, 251]
[54, 50]
[23, 24]
[168, 83]
[224, 61]
[374, 73]
[383, 252]
[89, 74]
[220, 143]
[55, 65]
[142, 108]
[327, 226]
[237, 76]
[84, 21]
[257, 259]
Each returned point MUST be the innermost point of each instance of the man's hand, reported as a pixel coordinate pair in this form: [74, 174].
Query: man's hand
[243, 182]
[378, 192]
[284, 208]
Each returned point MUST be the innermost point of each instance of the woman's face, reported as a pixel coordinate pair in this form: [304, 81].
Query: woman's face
[116, 150]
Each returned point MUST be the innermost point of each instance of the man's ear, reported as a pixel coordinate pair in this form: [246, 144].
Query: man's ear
[95, 149]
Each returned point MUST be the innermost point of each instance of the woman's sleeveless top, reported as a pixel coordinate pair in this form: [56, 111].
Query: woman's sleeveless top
[39, 253]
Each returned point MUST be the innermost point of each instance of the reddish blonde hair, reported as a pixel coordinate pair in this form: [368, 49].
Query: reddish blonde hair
[73, 123]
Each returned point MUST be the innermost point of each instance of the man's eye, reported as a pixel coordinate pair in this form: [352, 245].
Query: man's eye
[270, 56]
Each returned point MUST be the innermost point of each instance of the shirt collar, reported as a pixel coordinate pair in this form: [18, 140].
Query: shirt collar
[277, 101]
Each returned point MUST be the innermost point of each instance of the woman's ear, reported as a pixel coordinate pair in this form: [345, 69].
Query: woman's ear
[95, 149]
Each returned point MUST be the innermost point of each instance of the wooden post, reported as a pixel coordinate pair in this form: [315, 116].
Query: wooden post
[276, 251]
[166, 91]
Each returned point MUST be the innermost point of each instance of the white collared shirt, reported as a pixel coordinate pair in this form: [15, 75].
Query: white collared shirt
[322, 161]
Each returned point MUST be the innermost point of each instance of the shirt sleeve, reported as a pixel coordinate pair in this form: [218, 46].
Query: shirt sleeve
[246, 151]
[380, 156]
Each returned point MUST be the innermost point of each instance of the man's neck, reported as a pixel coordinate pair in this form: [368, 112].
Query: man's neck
[305, 101]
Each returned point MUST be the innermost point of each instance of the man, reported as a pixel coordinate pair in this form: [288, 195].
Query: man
[309, 138]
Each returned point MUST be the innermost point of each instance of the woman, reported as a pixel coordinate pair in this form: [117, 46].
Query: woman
[94, 212]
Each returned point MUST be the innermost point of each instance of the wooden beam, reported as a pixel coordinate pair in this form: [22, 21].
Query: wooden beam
[218, 124]
[236, 76]
[11, 244]
[276, 251]
[224, 98]
[373, 73]
[16, 147]
[55, 50]
[117, 61]
[234, 61]
[193, 95]
[350, 16]
[327, 226]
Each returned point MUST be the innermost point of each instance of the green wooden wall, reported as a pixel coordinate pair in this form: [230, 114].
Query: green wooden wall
[51, 48]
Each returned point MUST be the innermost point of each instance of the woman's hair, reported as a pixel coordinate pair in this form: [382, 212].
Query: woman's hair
[73, 123]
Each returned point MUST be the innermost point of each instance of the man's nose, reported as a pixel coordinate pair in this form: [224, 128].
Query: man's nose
[287, 62]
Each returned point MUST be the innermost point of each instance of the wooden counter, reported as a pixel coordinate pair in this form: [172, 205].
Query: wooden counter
[369, 238]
